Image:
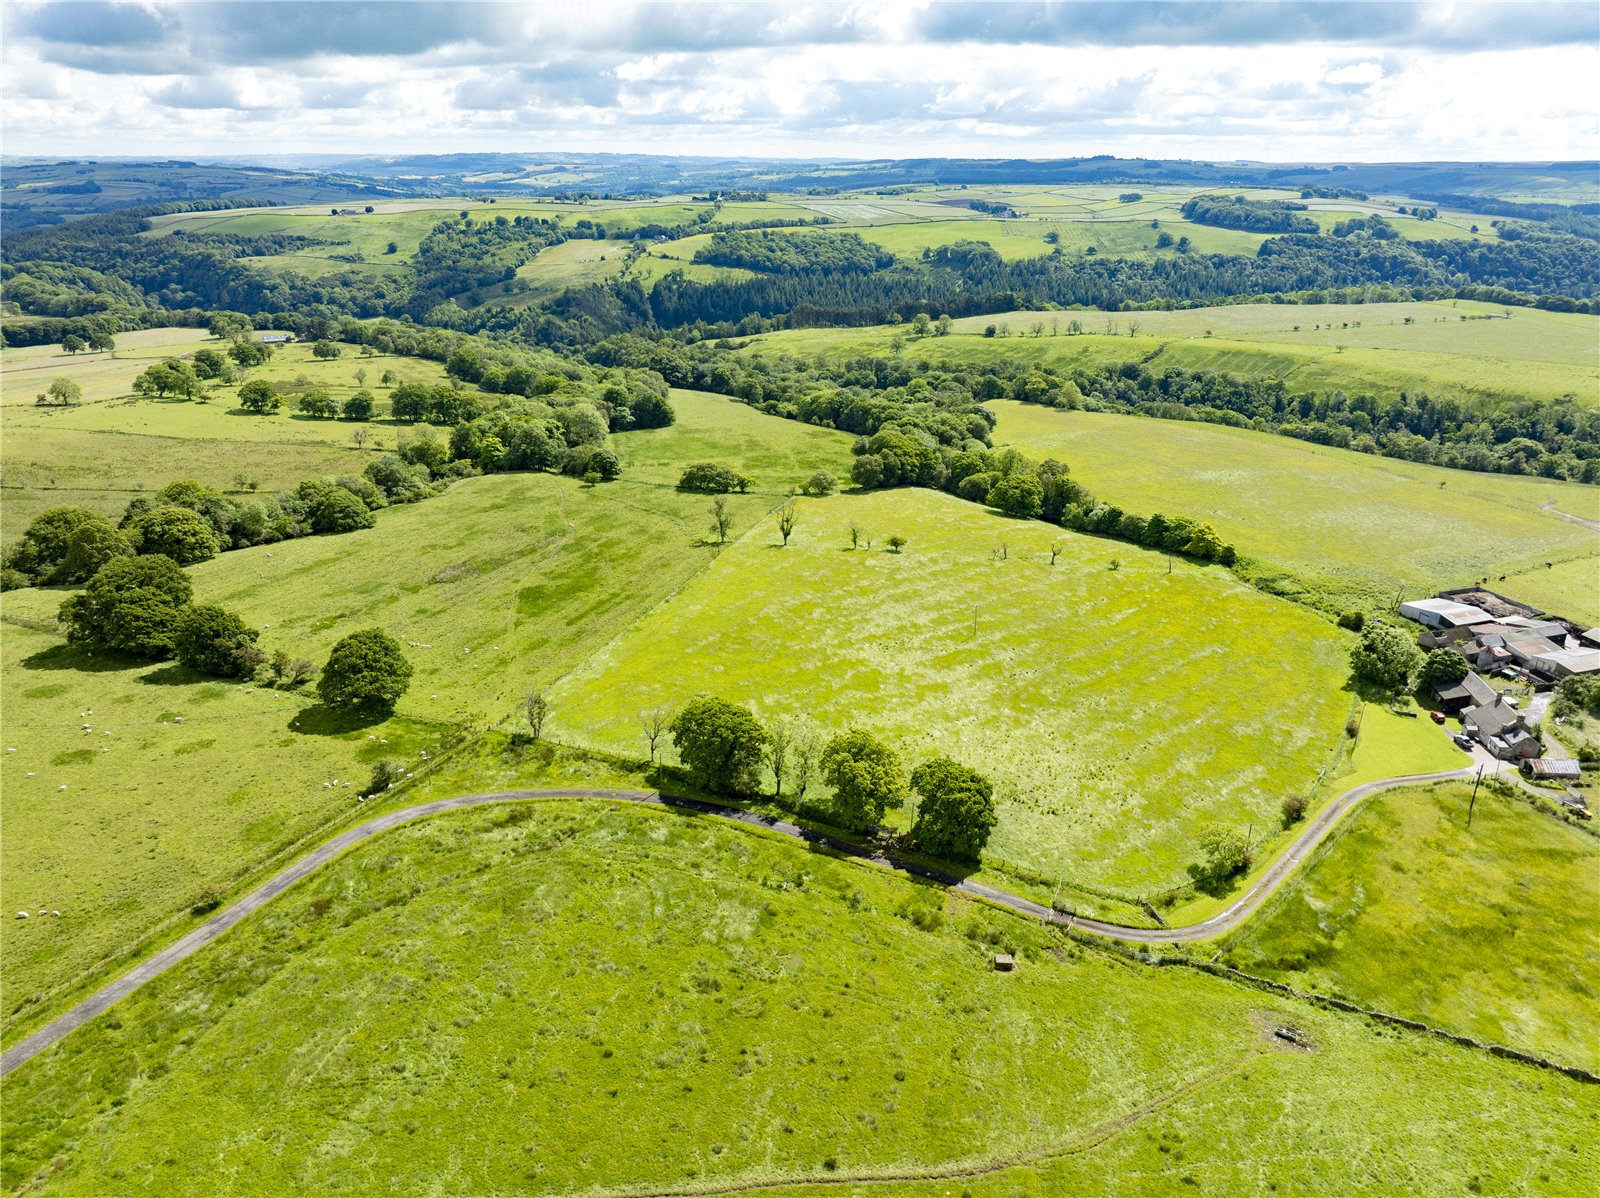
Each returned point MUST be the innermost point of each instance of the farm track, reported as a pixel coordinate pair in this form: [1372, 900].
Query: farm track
[1549, 505]
[157, 964]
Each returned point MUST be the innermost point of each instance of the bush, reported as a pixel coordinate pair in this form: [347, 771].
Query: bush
[386, 772]
[212, 640]
[1353, 620]
[711, 479]
[365, 670]
[819, 484]
[1294, 810]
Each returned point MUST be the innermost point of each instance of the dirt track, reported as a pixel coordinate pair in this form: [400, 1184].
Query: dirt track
[1315, 832]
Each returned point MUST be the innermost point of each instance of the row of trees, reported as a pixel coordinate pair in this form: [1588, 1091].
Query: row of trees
[724, 748]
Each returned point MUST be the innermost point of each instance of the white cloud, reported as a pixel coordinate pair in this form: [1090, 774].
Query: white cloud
[1360, 73]
[1262, 81]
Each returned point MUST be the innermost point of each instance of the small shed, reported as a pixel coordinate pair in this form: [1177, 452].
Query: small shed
[1553, 768]
[1004, 963]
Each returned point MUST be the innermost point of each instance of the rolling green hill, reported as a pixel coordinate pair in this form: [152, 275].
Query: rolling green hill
[476, 995]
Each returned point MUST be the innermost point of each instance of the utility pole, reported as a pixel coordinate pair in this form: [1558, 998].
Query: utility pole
[1473, 802]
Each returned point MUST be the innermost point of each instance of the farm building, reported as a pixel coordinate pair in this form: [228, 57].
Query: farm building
[276, 338]
[1444, 613]
[1591, 637]
[1471, 691]
[1501, 729]
[1563, 663]
[1550, 767]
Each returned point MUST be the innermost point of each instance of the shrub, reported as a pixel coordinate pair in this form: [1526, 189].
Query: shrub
[212, 640]
[710, 478]
[819, 484]
[1294, 810]
[386, 772]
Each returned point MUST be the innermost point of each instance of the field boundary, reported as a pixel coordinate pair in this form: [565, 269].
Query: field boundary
[1340, 1004]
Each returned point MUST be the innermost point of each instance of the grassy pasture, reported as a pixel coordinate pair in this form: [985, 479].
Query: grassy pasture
[25, 372]
[1569, 588]
[473, 997]
[1115, 727]
[1350, 528]
[502, 583]
[1385, 348]
[778, 454]
[178, 783]
[1478, 930]
[113, 446]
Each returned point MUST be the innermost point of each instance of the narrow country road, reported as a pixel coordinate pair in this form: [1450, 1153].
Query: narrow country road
[1314, 834]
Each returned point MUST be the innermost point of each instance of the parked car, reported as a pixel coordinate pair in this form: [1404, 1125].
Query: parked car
[1463, 741]
[1436, 716]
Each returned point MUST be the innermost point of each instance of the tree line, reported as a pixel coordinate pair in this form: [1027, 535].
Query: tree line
[724, 748]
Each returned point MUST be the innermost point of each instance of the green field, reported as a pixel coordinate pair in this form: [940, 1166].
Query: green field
[576, 997]
[26, 371]
[1113, 725]
[1078, 218]
[1488, 931]
[1569, 588]
[498, 585]
[1344, 528]
[777, 454]
[115, 444]
[1517, 353]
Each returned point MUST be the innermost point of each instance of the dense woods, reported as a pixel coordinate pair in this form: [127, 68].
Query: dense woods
[1258, 216]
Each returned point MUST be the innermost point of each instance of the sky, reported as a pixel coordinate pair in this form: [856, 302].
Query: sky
[1382, 80]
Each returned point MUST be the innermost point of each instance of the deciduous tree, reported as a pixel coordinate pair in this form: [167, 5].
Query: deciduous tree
[955, 813]
[365, 670]
[866, 778]
[720, 743]
[131, 604]
[213, 640]
[1385, 657]
[178, 533]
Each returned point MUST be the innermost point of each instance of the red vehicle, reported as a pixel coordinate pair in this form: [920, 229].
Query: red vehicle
[1436, 716]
